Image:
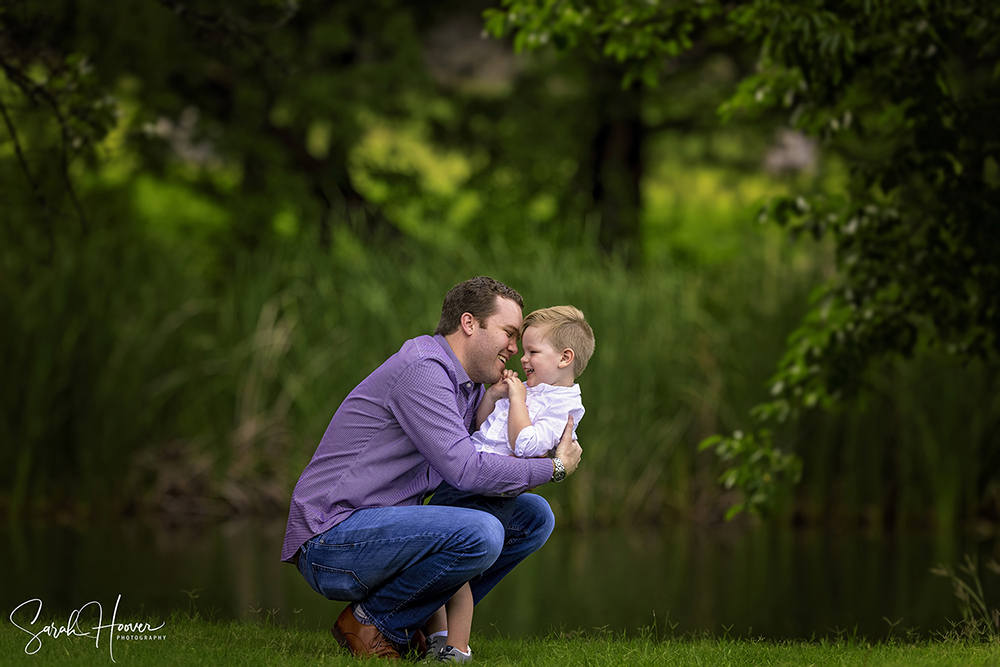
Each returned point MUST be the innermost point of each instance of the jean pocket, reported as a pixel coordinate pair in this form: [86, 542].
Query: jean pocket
[337, 584]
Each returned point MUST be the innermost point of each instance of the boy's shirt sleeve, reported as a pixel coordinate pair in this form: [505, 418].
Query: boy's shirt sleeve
[547, 423]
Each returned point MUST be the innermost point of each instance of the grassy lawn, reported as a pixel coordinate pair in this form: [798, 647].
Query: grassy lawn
[182, 641]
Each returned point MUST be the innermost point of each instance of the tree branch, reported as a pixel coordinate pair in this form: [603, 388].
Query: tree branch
[225, 24]
[34, 92]
[35, 188]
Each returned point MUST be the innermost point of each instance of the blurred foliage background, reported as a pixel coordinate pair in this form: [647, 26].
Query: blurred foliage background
[217, 219]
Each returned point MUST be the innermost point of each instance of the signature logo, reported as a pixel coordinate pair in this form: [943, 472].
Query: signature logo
[76, 626]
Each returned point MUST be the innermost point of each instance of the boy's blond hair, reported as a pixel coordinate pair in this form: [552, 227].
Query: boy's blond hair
[564, 326]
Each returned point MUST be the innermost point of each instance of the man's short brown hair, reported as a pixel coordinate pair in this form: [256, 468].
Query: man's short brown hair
[477, 296]
[564, 327]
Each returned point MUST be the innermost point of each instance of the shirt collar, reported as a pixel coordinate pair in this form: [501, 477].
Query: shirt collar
[552, 389]
[461, 376]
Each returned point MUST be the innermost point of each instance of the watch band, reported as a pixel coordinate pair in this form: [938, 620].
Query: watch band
[559, 474]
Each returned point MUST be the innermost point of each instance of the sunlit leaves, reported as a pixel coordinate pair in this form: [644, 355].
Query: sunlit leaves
[755, 466]
[906, 93]
[637, 33]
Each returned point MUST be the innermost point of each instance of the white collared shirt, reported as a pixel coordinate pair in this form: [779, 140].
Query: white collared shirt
[548, 408]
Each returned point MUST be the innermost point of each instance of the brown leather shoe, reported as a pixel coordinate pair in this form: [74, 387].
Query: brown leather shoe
[416, 648]
[362, 640]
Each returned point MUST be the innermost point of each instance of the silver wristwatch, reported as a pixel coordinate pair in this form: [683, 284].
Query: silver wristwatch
[560, 472]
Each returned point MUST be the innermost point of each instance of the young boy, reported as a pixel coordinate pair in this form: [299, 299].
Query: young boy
[557, 343]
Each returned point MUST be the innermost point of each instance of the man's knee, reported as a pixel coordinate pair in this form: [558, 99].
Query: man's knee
[535, 516]
[481, 538]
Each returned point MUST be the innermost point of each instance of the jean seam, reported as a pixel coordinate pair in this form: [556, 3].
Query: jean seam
[388, 617]
[524, 533]
[325, 546]
[386, 540]
[416, 594]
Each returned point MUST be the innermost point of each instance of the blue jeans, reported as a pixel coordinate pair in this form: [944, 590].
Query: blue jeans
[500, 507]
[400, 564]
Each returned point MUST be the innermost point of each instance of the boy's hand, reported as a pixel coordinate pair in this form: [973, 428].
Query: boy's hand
[516, 390]
[498, 389]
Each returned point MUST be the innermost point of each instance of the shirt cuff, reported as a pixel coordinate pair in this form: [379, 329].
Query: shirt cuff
[540, 472]
[527, 445]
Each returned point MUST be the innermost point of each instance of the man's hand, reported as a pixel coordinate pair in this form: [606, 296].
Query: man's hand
[569, 450]
[498, 389]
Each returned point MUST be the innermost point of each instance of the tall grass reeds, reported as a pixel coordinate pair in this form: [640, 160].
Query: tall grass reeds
[979, 621]
[135, 380]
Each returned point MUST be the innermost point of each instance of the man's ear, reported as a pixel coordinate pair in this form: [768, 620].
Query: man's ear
[566, 358]
[468, 322]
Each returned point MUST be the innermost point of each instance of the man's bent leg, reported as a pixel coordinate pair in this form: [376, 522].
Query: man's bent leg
[528, 529]
[400, 564]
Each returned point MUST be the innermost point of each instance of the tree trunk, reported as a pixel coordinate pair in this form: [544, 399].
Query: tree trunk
[616, 164]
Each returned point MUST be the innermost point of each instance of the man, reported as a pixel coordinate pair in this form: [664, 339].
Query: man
[357, 528]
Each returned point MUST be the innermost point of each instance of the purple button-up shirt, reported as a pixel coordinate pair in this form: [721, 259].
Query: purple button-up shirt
[402, 431]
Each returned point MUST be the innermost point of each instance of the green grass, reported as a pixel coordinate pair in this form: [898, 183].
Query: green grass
[196, 642]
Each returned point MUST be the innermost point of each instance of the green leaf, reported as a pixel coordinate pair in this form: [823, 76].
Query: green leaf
[709, 442]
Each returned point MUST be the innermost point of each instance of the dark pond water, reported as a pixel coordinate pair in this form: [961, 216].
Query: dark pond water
[756, 582]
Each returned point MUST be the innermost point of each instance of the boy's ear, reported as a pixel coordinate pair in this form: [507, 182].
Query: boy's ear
[567, 357]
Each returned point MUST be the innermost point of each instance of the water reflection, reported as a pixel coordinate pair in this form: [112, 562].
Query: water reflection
[776, 583]
[758, 582]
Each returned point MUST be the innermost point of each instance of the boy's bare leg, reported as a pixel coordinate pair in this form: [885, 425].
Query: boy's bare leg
[459, 621]
[438, 622]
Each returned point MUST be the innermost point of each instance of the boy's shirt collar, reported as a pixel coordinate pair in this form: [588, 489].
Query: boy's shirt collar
[543, 388]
